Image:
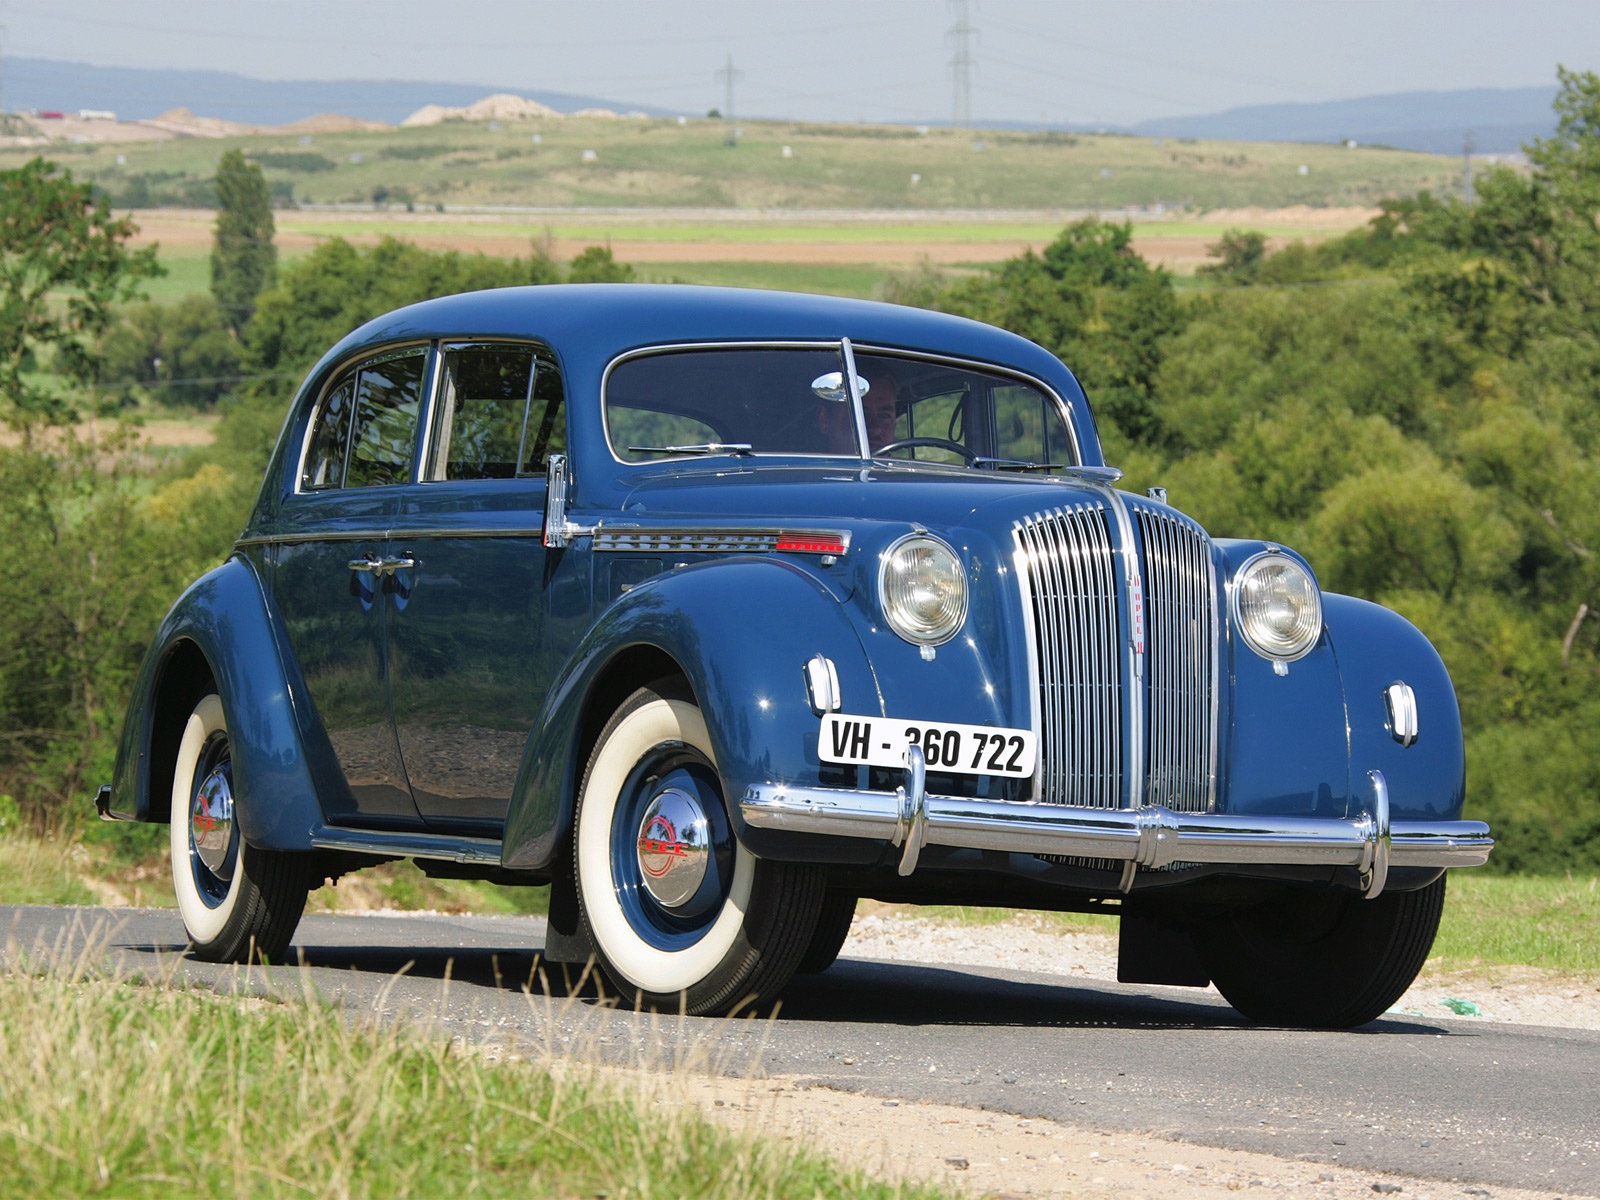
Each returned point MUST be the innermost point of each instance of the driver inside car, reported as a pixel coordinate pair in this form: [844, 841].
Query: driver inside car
[836, 420]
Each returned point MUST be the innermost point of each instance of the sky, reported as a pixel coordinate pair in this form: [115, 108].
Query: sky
[1115, 62]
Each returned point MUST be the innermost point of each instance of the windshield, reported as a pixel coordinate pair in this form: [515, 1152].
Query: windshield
[794, 400]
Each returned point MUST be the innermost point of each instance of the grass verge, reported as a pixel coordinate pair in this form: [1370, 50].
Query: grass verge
[287, 1099]
[1518, 920]
[34, 871]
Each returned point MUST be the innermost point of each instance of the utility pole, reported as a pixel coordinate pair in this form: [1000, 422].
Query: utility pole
[961, 36]
[1468, 145]
[728, 76]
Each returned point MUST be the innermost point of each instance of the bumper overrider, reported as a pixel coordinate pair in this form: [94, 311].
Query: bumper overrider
[1150, 836]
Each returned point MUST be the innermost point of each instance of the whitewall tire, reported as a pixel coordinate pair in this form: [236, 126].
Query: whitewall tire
[681, 914]
[237, 903]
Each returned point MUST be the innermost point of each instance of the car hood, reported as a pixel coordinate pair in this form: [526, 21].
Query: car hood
[798, 495]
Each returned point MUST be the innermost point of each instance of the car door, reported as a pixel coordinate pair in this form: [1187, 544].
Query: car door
[333, 579]
[467, 665]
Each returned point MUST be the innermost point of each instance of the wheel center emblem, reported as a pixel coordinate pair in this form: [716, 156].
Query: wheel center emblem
[659, 847]
[673, 847]
[211, 823]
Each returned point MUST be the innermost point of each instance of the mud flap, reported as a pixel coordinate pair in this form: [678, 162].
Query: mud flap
[1155, 951]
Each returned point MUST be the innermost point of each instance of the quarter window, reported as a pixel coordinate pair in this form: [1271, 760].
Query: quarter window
[365, 431]
[325, 454]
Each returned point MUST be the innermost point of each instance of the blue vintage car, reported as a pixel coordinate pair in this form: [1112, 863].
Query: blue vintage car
[717, 610]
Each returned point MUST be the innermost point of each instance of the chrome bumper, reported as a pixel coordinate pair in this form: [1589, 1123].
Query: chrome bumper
[1152, 836]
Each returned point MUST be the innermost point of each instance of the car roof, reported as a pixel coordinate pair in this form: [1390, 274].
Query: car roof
[599, 321]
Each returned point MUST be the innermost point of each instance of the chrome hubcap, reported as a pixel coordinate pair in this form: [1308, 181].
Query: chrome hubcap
[674, 847]
[211, 823]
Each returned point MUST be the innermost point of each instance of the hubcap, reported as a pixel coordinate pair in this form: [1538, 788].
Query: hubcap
[211, 822]
[674, 847]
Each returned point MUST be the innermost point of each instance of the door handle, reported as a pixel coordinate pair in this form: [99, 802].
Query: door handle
[371, 563]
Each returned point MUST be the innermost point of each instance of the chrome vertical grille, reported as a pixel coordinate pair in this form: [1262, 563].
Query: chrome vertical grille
[1070, 586]
[1075, 590]
[1180, 669]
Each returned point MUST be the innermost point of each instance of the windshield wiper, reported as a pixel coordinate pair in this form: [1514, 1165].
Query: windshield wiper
[696, 448]
[1016, 464]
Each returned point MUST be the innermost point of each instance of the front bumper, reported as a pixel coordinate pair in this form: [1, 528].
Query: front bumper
[1152, 836]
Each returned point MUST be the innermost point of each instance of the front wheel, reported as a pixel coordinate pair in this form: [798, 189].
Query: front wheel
[238, 903]
[1321, 959]
[681, 915]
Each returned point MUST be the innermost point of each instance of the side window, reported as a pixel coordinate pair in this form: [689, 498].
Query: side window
[383, 431]
[1029, 427]
[365, 431]
[499, 412]
[324, 465]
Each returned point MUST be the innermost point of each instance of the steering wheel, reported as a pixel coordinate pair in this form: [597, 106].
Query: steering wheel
[967, 456]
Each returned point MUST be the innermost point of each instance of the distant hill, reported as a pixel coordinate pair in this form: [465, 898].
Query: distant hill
[136, 94]
[1500, 120]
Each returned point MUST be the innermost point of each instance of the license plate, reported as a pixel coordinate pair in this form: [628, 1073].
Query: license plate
[964, 749]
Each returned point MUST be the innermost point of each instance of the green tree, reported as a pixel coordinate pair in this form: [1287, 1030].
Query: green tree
[177, 354]
[1093, 301]
[1239, 254]
[64, 264]
[96, 557]
[596, 265]
[244, 261]
[340, 286]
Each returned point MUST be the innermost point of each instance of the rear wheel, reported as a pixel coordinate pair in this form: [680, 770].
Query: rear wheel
[238, 903]
[681, 915]
[1321, 959]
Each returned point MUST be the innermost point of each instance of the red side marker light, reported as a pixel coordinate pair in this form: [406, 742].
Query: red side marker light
[798, 543]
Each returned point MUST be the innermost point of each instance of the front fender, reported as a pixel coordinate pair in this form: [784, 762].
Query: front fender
[1302, 743]
[220, 628]
[740, 631]
[1377, 647]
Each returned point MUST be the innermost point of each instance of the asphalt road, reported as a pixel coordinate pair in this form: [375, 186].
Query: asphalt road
[1480, 1104]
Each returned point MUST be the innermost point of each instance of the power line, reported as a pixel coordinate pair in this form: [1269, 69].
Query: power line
[962, 35]
[729, 75]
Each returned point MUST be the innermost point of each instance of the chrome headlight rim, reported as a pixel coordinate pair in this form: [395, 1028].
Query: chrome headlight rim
[1311, 635]
[910, 629]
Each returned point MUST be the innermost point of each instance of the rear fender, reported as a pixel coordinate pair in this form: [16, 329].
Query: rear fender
[219, 636]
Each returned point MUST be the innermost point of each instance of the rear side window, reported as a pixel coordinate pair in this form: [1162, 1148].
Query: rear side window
[365, 430]
[499, 412]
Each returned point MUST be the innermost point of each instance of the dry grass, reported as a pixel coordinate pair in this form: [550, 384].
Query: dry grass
[123, 1087]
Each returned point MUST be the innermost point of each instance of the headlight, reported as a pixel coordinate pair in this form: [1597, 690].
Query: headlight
[923, 589]
[1278, 606]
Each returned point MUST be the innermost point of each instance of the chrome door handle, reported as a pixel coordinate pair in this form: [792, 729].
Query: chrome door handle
[390, 565]
[369, 562]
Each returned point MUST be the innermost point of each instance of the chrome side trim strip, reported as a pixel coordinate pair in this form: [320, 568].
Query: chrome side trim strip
[1151, 836]
[717, 539]
[293, 539]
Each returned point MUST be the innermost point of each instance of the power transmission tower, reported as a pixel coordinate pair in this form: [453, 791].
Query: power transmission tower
[962, 35]
[728, 76]
[1468, 145]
